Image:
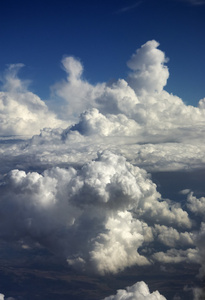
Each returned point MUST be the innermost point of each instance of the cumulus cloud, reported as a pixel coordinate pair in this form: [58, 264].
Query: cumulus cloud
[138, 107]
[170, 237]
[106, 209]
[21, 111]
[139, 104]
[138, 291]
[149, 72]
[197, 206]
[81, 189]
[94, 123]
[97, 198]
[175, 256]
[78, 93]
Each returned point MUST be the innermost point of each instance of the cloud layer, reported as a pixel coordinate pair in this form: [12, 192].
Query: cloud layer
[80, 185]
[108, 209]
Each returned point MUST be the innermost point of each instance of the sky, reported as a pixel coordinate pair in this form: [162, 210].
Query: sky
[103, 35]
[102, 117]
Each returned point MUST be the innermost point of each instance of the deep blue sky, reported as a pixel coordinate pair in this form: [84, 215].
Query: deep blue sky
[104, 34]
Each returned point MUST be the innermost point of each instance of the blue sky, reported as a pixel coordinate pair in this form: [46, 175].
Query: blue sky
[104, 34]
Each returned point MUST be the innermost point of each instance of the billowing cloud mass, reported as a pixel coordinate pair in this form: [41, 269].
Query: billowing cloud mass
[82, 189]
[138, 291]
[21, 111]
[109, 197]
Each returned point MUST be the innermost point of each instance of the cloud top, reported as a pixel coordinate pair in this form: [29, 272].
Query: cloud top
[138, 291]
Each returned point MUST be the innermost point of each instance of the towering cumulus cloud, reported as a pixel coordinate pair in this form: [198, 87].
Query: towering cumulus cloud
[81, 188]
[96, 228]
[149, 74]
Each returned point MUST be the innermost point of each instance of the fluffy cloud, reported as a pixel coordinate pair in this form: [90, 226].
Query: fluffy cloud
[138, 291]
[94, 123]
[21, 111]
[138, 107]
[172, 238]
[77, 92]
[97, 198]
[149, 72]
[110, 198]
[197, 206]
[99, 209]
[175, 256]
[2, 297]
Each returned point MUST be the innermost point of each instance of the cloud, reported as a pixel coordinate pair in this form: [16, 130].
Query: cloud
[128, 8]
[2, 297]
[172, 238]
[97, 198]
[78, 94]
[194, 2]
[94, 123]
[138, 106]
[21, 111]
[149, 74]
[113, 200]
[197, 206]
[138, 291]
[81, 189]
[176, 256]
[198, 293]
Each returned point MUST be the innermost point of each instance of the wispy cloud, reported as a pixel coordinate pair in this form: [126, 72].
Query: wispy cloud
[128, 8]
[194, 2]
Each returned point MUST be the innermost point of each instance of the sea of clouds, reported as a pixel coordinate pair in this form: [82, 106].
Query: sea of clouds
[76, 180]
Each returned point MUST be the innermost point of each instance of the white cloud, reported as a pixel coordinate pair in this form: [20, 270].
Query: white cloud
[172, 238]
[149, 72]
[138, 291]
[97, 198]
[78, 94]
[109, 197]
[197, 206]
[21, 111]
[94, 123]
[176, 256]
[99, 209]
